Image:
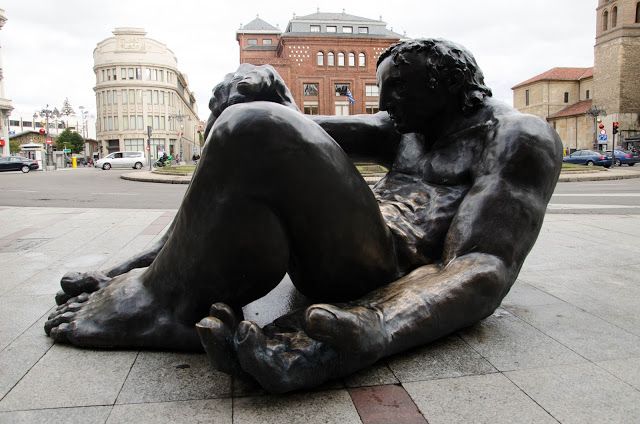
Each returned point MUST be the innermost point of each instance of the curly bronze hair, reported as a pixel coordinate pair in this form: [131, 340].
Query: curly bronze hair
[441, 58]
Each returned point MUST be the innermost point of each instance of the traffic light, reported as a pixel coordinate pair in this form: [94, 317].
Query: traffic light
[615, 127]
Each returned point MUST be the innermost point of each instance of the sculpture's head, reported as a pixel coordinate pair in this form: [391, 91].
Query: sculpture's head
[421, 79]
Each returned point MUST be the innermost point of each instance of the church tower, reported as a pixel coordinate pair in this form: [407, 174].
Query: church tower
[617, 63]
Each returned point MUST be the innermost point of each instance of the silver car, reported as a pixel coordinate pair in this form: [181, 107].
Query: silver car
[134, 160]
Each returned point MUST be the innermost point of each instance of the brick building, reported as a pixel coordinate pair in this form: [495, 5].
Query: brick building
[568, 97]
[322, 57]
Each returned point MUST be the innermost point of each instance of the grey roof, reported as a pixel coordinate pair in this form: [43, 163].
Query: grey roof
[260, 26]
[333, 17]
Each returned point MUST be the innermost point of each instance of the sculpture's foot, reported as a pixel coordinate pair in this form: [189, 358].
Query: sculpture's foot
[75, 283]
[216, 335]
[124, 314]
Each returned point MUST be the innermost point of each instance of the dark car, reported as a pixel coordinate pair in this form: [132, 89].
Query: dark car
[624, 157]
[589, 158]
[17, 163]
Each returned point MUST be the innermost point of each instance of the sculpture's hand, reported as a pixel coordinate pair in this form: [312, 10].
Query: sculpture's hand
[301, 349]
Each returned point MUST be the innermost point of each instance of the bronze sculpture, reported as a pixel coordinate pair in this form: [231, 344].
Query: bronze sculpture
[434, 247]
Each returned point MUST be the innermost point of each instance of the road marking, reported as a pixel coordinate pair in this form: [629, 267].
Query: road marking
[582, 206]
[120, 194]
[596, 195]
[23, 191]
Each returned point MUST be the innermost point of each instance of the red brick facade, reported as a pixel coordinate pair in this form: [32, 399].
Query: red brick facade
[295, 57]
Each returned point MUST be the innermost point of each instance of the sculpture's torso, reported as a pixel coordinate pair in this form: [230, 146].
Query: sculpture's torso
[421, 194]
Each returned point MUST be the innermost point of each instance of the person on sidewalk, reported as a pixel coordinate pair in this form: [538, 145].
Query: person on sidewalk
[433, 248]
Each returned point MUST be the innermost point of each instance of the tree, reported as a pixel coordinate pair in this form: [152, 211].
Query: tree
[14, 146]
[67, 110]
[71, 140]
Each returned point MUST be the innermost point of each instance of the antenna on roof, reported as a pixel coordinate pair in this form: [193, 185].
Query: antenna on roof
[343, 11]
[317, 10]
[257, 16]
[294, 15]
[381, 17]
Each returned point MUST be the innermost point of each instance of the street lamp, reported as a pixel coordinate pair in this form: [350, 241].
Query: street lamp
[595, 111]
[47, 113]
[179, 117]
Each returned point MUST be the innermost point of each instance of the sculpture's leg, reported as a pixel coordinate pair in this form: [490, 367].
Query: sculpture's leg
[273, 192]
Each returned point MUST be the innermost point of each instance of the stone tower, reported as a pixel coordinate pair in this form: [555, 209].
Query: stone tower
[617, 63]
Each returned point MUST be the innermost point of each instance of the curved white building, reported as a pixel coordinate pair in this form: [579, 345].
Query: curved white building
[138, 85]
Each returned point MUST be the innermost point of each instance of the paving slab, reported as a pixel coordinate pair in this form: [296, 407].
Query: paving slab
[385, 404]
[582, 332]
[376, 375]
[580, 394]
[20, 312]
[627, 370]
[449, 357]
[218, 411]
[509, 343]
[88, 415]
[164, 376]
[71, 377]
[333, 406]
[477, 399]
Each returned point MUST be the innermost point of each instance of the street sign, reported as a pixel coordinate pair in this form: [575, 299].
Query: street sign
[603, 137]
[49, 140]
[603, 132]
[66, 150]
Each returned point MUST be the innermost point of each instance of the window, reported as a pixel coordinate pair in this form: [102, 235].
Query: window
[341, 89]
[566, 97]
[614, 16]
[155, 97]
[138, 73]
[266, 42]
[320, 58]
[130, 73]
[132, 98]
[154, 74]
[526, 97]
[110, 123]
[310, 108]
[342, 108]
[148, 74]
[252, 42]
[352, 59]
[124, 97]
[139, 97]
[371, 109]
[332, 28]
[347, 29]
[363, 30]
[161, 75]
[310, 89]
[123, 73]
[605, 20]
[330, 59]
[362, 59]
[132, 122]
[340, 59]
[108, 74]
[134, 144]
[125, 122]
[162, 93]
[139, 122]
[587, 94]
[102, 75]
[371, 90]
[314, 28]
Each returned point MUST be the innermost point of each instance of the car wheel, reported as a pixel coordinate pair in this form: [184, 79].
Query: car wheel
[618, 162]
[631, 164]
[138, 165]
[106, 166]
[589, 163]
[25, 169]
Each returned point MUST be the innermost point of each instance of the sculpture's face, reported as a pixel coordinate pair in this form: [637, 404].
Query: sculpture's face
[405, 94]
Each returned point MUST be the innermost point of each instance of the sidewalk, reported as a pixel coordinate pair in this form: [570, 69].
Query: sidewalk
[564, 346]
[598, 173]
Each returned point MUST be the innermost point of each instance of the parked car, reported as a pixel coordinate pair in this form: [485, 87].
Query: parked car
[589, 158]
[134, 160]
[17, 163]
[624, 157]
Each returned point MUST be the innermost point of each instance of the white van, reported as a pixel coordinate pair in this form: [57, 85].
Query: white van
[134, 160]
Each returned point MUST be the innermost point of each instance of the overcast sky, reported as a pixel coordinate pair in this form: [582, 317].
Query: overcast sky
[47, 46]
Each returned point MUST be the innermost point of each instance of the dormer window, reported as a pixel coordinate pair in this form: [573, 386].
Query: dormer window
[363, 30]
[347, 29]
[315, 28]
[252, 42]
[332, 28]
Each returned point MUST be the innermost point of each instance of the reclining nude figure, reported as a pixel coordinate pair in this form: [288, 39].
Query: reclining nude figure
[433, 248]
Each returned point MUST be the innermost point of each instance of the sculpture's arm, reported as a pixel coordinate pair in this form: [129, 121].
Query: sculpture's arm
[363, 137]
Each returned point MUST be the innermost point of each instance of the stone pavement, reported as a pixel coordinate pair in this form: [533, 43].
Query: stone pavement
[564, 346]
[597, 173]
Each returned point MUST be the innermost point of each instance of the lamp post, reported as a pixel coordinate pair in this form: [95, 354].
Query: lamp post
[596, 111]
[179, 117]
[47, 113]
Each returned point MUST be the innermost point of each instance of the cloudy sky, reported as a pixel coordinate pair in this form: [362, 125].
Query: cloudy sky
[47, 46]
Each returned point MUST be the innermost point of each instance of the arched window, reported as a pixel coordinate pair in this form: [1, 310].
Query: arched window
[330, 59]
[320, 58]
[362, 60]
[340, 59]
[352, 59]
[605, 20]
[638, 12]
[614, 17]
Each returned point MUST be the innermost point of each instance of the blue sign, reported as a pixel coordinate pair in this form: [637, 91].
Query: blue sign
[603, 137]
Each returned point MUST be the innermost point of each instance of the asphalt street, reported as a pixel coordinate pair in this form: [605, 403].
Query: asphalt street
[95, 188]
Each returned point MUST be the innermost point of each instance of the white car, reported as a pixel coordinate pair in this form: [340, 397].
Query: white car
[135, 160]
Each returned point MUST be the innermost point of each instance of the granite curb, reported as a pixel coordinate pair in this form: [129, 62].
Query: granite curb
[608, 174]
